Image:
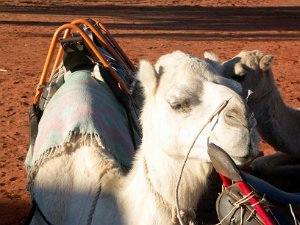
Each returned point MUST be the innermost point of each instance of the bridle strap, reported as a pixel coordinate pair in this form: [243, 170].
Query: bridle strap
[215, 113]
[188, 214]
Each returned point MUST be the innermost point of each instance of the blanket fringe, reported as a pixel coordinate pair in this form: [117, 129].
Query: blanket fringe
[74, 140]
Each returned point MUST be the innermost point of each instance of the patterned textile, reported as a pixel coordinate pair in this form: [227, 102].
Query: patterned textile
[86, 106]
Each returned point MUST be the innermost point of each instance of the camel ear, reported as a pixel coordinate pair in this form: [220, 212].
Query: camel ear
[211, 56]
[148, 77]
[213, 60]
[266, 62]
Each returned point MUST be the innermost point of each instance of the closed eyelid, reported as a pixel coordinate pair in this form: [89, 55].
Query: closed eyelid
[183, 104]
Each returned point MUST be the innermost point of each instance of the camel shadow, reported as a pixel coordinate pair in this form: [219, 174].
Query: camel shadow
[13, 211]
[180, 22]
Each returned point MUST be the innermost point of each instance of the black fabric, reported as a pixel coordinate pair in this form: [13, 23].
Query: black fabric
[35, 115]
[271, 192]
[125, 101]
[76, 56]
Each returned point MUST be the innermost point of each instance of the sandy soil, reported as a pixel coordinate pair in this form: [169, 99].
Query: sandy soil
[145, 30]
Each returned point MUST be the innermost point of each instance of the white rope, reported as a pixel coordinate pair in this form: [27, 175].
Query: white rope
[241, 216]
[217, 111]
[251, 214]
[293, 214]
[234, 208]
[188, 214]
[244, 199]
[253, 211]
[236, 205]
[260, 201]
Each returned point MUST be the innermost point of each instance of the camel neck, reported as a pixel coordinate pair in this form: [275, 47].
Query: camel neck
[266, 89]
[259, 97]
[269, 94]
[154, 183]
[277, 123]
[267, 102]
[187, 215]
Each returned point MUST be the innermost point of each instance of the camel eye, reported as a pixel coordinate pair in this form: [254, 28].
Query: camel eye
[180, 106]
[180, 100]
[239, 77]
[176, 106]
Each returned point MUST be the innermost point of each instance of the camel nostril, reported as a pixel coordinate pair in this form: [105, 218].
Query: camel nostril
[234, 118]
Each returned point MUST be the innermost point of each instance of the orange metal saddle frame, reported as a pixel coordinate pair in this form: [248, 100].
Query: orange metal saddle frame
[103, 36]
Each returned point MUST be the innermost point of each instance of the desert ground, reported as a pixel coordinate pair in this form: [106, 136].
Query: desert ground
[144, 29]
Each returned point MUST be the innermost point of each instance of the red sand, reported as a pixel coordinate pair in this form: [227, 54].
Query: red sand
[145, 30]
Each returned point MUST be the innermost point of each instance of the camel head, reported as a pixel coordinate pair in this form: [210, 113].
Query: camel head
[181, 94]
[252, 69]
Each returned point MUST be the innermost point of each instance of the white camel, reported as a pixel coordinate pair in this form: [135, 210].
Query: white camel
[84, 183]
[277, 123]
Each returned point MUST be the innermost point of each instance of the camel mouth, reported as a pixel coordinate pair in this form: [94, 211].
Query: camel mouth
[242, 161]
[245, 160]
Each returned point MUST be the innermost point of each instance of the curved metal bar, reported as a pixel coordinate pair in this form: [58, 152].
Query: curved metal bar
[116, 45]
[255, 203]
[42, 81]
[60, 52]
[93, 47]
[103, 40]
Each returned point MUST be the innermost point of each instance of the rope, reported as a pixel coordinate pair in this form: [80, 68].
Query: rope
[217, 111]
[293, 214]
[260, 201]
[188, 214]
[109, 167]
[68, 148]
[94, 204]
[158, 196]
[236, 205]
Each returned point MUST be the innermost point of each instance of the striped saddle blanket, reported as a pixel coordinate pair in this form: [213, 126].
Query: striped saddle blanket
[86, 106]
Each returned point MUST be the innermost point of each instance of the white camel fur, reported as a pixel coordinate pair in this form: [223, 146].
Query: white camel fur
[277, 122]
[181, 93]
